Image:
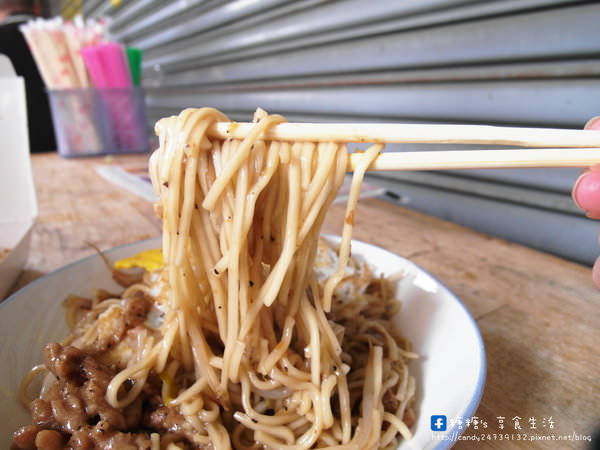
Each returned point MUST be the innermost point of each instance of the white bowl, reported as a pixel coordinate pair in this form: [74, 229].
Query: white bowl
[450, 373]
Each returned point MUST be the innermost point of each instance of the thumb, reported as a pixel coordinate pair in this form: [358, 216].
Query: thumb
[586, 192]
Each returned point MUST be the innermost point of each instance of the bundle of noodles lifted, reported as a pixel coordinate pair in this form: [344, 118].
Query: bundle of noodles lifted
[254, 334]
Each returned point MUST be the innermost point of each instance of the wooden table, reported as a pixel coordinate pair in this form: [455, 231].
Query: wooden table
[538, 314]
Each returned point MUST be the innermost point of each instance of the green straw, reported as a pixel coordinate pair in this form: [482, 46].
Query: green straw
[134, 56]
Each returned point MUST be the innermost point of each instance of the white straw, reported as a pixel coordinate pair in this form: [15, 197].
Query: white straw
[40, 59]
[71, 34]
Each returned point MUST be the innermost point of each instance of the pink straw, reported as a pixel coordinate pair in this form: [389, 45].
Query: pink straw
[95, 67]
[115, 64]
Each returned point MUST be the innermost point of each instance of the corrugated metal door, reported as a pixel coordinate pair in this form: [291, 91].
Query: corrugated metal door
[506, 62]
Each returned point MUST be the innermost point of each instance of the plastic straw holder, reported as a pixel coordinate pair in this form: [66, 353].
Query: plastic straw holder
[99, 121]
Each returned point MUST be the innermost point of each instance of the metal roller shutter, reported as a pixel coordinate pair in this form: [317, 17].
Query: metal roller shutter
[506, 62]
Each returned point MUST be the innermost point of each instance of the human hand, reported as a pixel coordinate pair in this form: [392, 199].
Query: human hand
[586, 194]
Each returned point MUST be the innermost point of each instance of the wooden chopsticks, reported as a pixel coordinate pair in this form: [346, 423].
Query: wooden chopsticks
[483, 159]
[561, 148]
[416, 134]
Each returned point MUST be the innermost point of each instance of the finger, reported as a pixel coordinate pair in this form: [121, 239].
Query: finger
[586, 192]
[596, 273]
[593, 124]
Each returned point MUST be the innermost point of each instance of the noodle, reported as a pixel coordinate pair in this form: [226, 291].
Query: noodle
[254, 350]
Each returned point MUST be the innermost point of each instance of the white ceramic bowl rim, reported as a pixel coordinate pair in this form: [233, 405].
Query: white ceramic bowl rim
[474, 402]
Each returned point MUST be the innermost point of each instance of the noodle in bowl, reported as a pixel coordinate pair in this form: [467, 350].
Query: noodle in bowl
[253, 334]
[450, 370]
